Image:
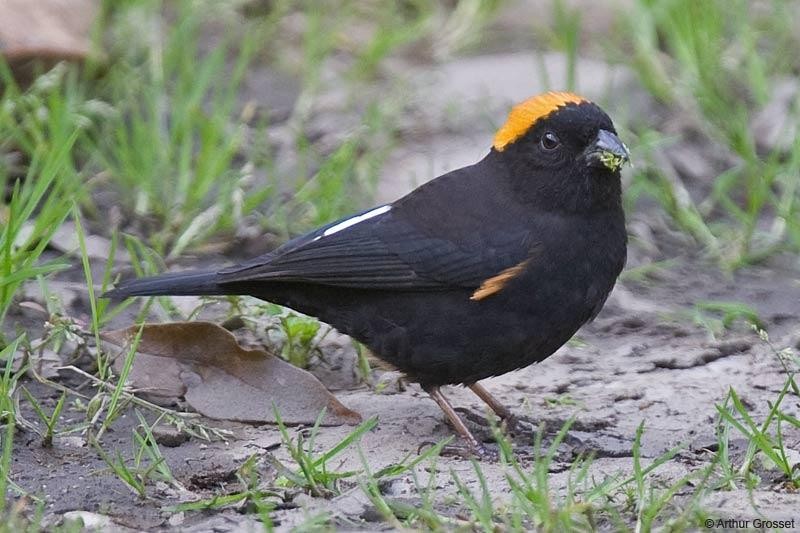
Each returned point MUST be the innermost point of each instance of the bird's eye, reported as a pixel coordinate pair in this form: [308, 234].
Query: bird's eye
[550, 141]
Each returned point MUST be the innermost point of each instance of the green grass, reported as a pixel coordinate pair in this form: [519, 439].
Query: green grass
[715, 63]
[42, 125]
[8, 411]
[298, 336]
[146, 466]
[14, 516]
[49, 421]
[314, 473]
[170, 145]
[717, 317]
[254, 497]
[765, 439]
[160, 124]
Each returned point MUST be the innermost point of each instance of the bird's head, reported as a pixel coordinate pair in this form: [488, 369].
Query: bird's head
[563, 152]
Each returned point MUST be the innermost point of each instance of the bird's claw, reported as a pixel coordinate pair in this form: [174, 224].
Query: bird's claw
[517, 426]
[481, 453]
[463, 451]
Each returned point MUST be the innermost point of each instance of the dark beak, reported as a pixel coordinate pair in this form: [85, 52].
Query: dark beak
[607, 151]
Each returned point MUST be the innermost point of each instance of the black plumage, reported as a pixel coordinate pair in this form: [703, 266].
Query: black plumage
[481, 271]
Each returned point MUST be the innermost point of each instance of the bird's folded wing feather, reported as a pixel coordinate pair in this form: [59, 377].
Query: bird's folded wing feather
[387, 252]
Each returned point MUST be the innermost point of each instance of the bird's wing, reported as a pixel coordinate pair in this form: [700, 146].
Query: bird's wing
[381, 249]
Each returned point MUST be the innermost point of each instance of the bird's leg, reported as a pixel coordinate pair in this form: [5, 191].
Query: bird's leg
[499, 409]
[513, 424]
[475, 446]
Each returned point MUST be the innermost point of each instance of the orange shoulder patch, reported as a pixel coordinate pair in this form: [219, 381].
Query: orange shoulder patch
[496, 283]
[524, 115]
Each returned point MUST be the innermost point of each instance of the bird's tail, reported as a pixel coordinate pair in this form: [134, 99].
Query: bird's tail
[191, 283]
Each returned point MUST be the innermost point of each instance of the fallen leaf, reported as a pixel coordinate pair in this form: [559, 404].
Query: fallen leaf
[157, 378]
[34, 306]
[46, 29]
[202, 362]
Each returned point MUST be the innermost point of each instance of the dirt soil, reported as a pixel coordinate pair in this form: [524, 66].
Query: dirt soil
[643, 359]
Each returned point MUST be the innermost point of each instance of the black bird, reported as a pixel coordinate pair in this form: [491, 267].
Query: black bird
[483, 270]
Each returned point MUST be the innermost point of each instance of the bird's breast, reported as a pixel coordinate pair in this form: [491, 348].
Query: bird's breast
[571, 270]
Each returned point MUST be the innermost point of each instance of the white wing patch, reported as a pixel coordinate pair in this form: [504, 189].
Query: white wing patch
[355, 220]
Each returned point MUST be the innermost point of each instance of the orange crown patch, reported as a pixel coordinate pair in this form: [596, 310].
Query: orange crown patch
[524, 115]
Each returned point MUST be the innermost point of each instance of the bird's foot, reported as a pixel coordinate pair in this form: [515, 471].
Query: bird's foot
[521, 426]
[466, 451]
[514, 426]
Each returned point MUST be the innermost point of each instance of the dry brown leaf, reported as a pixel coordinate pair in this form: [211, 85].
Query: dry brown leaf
[203, 362]
[46, 29]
